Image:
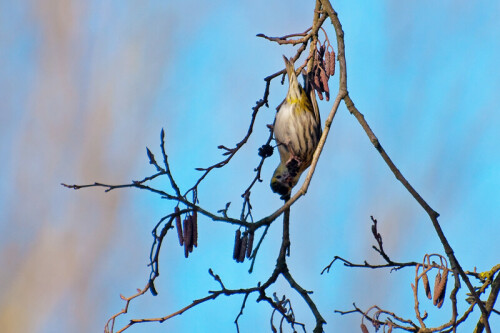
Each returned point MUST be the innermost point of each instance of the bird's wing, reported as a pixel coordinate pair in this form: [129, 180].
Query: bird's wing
[312, 95]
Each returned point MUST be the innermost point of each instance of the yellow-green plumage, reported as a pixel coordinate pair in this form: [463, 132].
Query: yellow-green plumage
[297, 130]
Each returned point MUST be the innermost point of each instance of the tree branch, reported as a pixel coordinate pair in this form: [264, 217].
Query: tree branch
[432, 214]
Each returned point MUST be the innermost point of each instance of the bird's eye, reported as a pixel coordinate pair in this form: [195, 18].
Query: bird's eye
[279, 177]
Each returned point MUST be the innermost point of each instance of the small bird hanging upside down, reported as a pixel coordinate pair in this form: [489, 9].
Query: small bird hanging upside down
[297, 130]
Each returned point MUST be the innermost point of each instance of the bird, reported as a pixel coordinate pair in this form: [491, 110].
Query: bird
[297, 130]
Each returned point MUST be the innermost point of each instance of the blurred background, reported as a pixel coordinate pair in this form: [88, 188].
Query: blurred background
[85, 86]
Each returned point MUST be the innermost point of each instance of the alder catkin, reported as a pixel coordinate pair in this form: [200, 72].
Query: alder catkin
[250, 244]
[195, 229]
[364, 329]
[327, 63]
[442, 288]
[322, 50]
[320, 95]
[317, 82]
[440, 303]
[243, 248]
[324, 82]
[190, 233]
[315, 62]
[436, 285]
[331, 69]
[237, 245]
[427, 287]
[179, 227]
[187, 237]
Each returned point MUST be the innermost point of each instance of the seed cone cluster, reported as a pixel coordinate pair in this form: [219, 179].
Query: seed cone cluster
[187, 231]
[323, 68]
[243, 245]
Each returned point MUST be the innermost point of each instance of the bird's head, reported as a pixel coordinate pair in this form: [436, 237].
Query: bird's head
[282, 181]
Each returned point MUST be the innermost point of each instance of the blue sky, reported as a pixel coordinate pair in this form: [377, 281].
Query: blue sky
[86, 86]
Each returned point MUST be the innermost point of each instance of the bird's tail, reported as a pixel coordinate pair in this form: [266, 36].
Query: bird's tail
[292, 77]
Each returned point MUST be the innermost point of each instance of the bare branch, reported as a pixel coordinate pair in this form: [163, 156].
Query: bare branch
[320, 63]
[433, 215]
